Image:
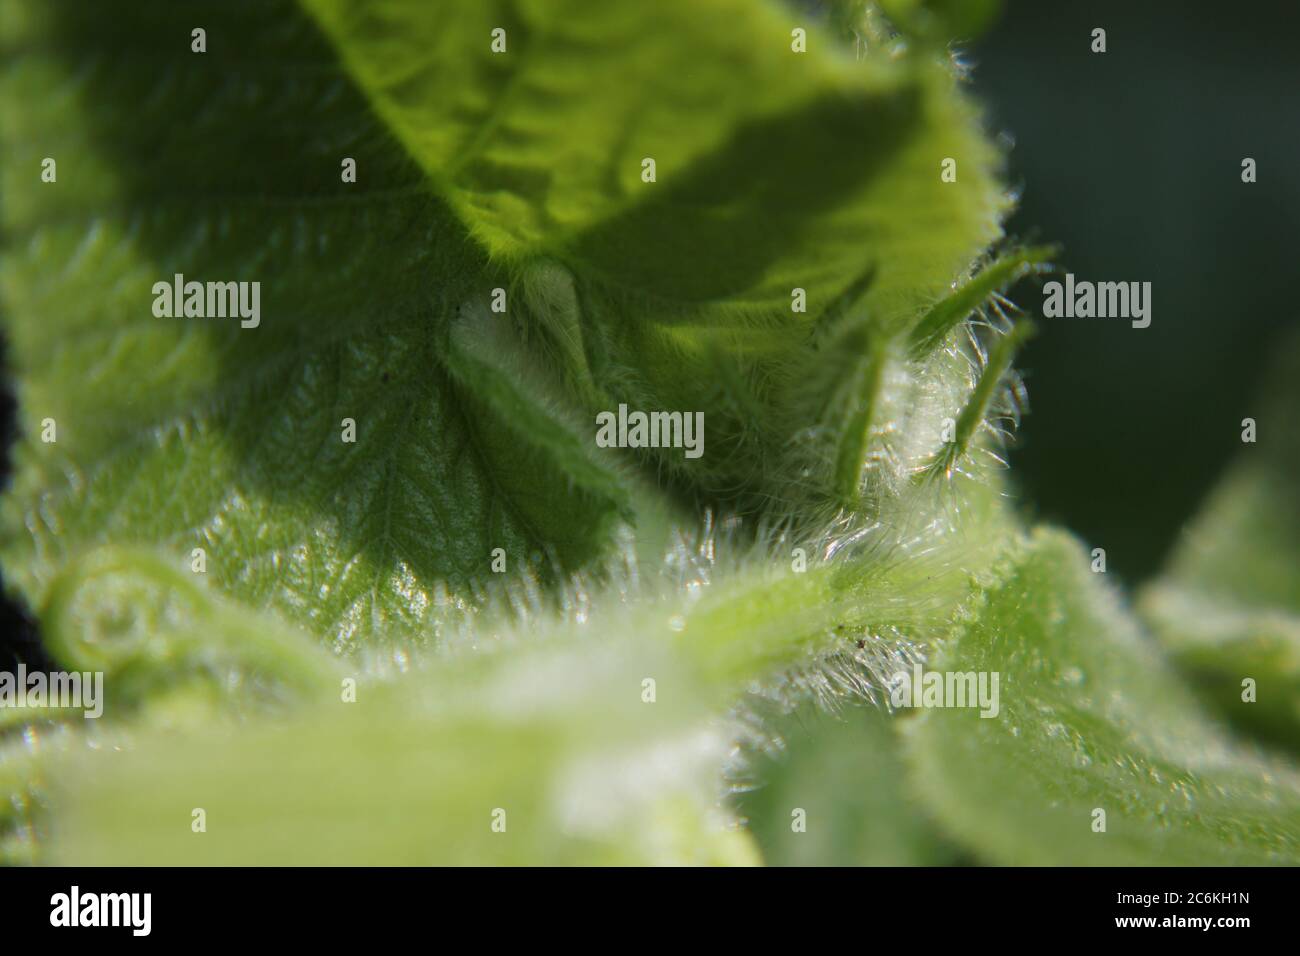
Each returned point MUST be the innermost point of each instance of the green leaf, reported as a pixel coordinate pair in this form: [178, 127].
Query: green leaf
[1089, 719]
[548, 712]
[555, 733]
[476, 171]
[197, 433]
[806, 171]
[153, 630]
[845, 773]
[1228, 607]
[153, 647]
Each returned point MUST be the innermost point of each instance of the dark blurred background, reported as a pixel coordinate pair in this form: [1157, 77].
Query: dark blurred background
[19, 641]
[1131, 160]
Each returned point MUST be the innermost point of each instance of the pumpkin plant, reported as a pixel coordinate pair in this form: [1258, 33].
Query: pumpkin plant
[363, 585]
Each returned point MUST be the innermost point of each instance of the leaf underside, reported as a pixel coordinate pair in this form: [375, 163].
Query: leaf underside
[374, 293]
[861, 431]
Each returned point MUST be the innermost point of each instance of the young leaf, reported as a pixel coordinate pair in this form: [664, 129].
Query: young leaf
[355, 461]
[805, 172]
[196, 433]
[1090, 722]
[553, 717]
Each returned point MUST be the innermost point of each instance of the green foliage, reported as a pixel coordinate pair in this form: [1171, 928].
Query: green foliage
[1091, 719]
[197, 433]
[554, 733]
[827, 168]
[847, 775]
[846, 510]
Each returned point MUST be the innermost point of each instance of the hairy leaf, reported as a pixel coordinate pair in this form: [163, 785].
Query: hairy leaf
[1090, 719]
[805, 171]
[775, 168]
[186, 433]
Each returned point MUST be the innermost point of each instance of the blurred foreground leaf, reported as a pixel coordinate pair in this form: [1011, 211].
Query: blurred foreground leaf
[845, 774]
[518, 755]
